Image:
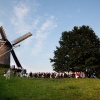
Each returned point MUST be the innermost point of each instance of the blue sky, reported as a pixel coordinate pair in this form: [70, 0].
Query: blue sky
[46, 20]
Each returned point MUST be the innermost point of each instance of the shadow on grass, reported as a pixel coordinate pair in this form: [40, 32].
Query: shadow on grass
[9, 98]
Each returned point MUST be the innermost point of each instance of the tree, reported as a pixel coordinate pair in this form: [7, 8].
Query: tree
[78, 50]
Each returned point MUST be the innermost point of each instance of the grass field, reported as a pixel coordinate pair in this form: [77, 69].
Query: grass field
[49, 89]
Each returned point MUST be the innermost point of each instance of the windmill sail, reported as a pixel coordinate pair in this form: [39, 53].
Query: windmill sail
[3, 35]
[15, 58]
[21, 38]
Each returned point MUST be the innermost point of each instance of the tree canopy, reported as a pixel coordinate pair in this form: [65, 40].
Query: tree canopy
[78, 50]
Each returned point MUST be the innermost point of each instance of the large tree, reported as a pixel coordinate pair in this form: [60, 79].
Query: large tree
[78, 50]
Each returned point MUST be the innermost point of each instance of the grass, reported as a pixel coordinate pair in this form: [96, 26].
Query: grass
[49, 89]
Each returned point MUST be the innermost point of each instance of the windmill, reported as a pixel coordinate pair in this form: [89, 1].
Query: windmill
[6, 47]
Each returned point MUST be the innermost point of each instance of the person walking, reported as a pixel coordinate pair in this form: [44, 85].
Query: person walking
[8, 74]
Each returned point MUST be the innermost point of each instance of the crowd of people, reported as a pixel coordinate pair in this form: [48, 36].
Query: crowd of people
[56, 75]
[23, 73]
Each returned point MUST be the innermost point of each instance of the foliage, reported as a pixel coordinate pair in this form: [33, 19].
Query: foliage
[49, 89]
[79, 49]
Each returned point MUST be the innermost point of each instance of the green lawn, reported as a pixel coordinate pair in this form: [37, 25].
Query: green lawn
[49, 89]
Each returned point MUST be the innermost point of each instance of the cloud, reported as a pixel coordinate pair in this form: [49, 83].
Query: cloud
[48, 24]
[45, 27]
[42, 33]
[20, 13]
[23, 21]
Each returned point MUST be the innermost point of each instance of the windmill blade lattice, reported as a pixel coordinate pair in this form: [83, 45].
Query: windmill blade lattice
[21, 38]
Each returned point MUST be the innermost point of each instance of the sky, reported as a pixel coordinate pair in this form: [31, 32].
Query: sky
[46, 20]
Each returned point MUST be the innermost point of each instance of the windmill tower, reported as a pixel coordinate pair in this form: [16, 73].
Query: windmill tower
[6, 48]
